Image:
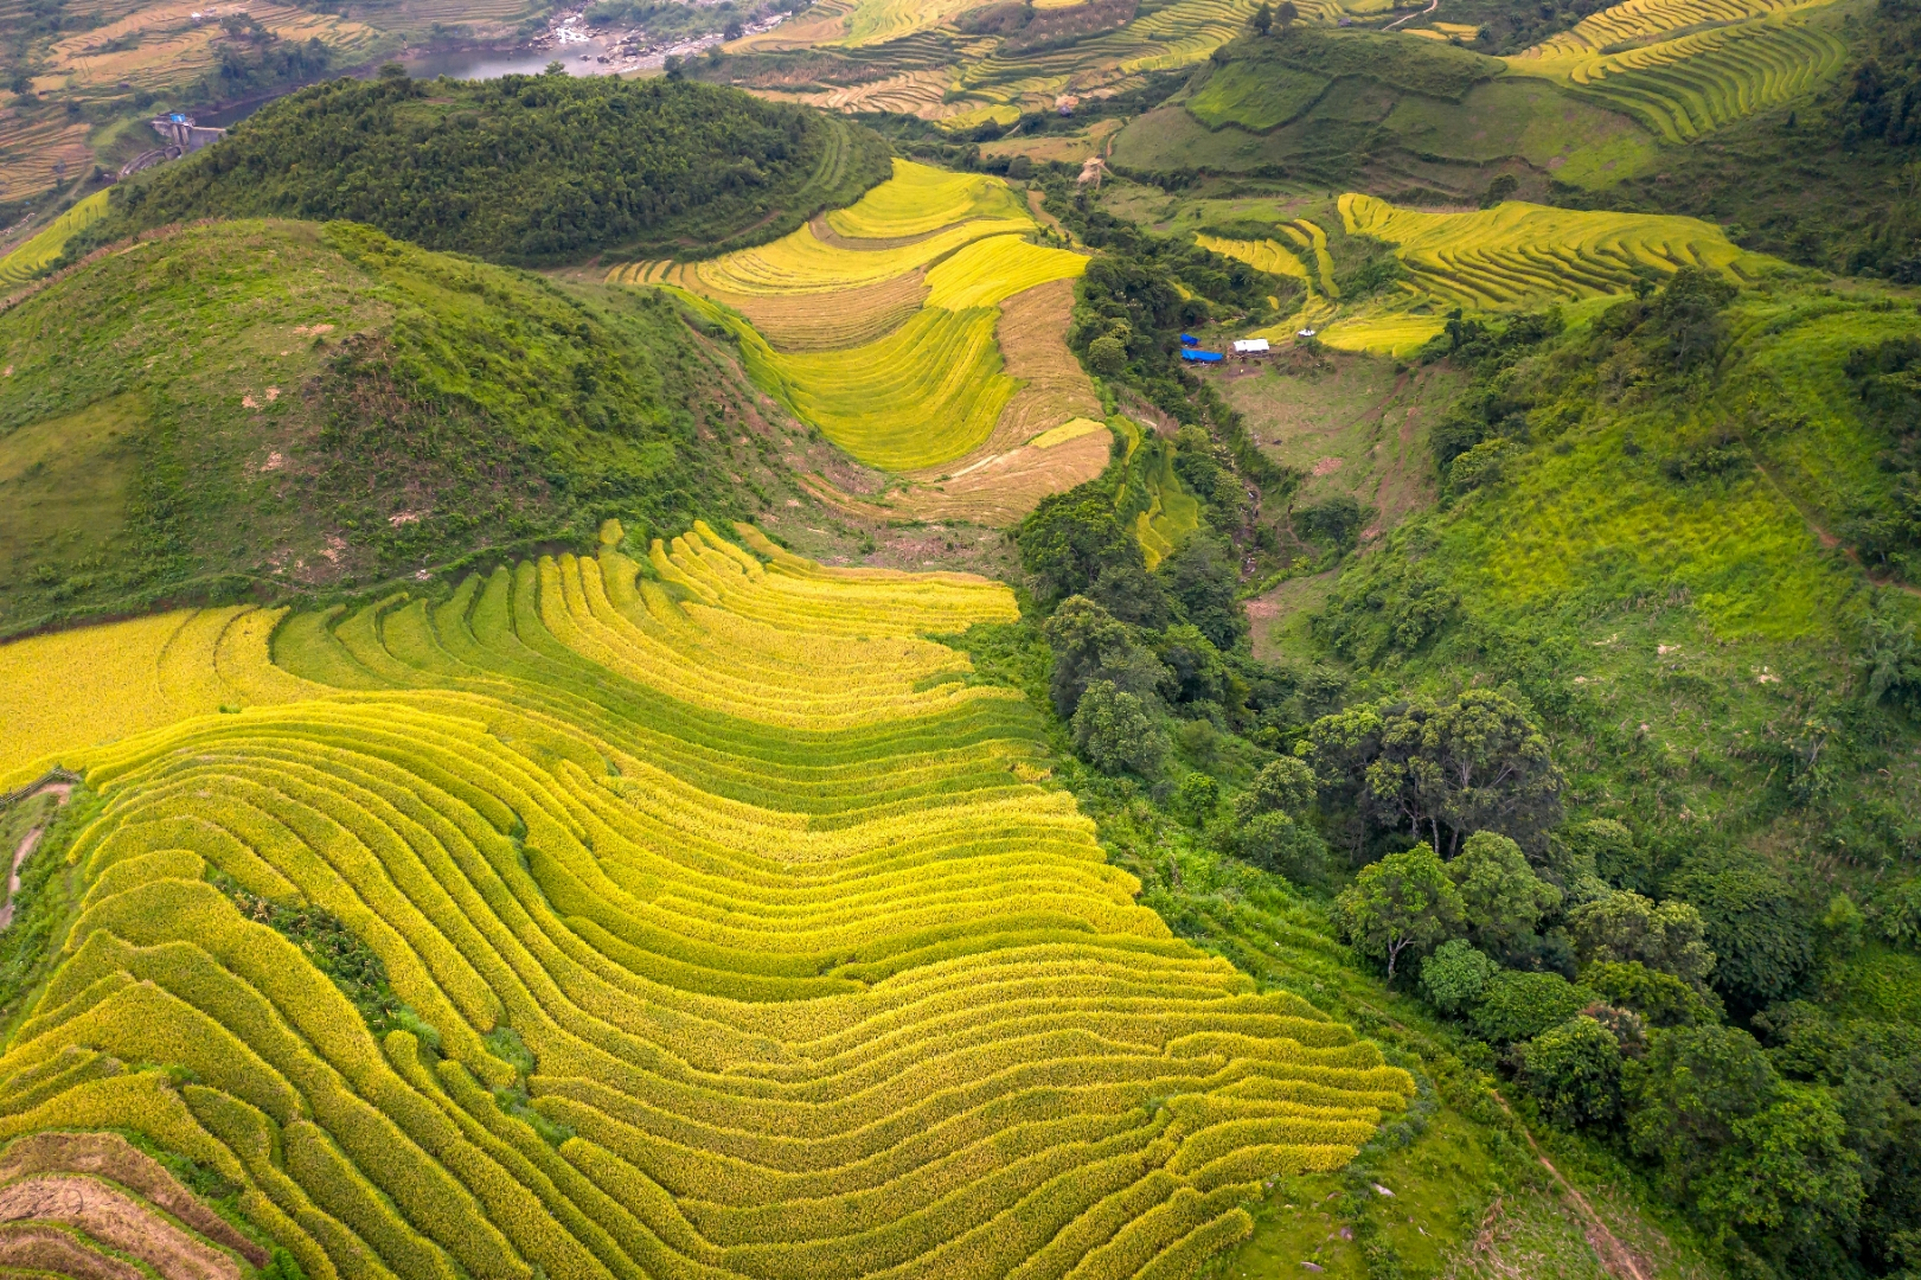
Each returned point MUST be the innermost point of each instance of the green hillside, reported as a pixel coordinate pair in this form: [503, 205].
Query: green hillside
[292, 407]
[527, 169]
[1318, 108]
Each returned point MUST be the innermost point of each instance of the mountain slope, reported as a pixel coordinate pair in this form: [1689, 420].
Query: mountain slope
[296, 407]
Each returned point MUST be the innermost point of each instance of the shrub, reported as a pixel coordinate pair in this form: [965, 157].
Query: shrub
[1197, 798]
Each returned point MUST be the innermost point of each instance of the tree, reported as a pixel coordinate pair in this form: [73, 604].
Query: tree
[1475, 764]
[1264, 18]
[1271, 829]
[1284, 786]
[1107, 356]
[1662, 999]
[1403, 901]
[1602, 848]
[1787, 1178]
[1198, 674]
[1288, 13]
[733, 31]
[1574, 1072]
[1456, 976]
[1688, 315]
[1113, 732]
[1519, 1006]
[1288, 847]
[1067, 540]
[1201, 578]
[1756, 929]
[1668, 938]
[1090, 644]
[1502, 897]
[1685, 1096]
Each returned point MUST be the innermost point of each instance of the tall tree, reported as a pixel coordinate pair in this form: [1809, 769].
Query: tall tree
[1405, 900]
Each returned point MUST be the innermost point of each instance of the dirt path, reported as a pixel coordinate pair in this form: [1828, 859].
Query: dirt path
[1613, 1255]
[28, 844]
[1431, 7]
[1828, 540]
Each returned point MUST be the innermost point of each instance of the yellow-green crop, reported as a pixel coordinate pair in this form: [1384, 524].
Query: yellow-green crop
[738, 939]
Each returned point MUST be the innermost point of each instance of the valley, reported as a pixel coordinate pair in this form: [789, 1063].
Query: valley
[1183, 639]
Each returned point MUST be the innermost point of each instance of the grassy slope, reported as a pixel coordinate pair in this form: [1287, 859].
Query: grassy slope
[1685, 638]
[310, 408]
[1410, 113]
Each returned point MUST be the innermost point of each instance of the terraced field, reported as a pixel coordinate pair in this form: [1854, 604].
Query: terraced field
[886, 325]
[1519, 255]
[37, 254]
[736, 933]
[1684, 68]
[163, 46]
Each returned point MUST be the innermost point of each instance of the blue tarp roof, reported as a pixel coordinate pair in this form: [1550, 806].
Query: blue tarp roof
[1189, 340]
[1202, 357]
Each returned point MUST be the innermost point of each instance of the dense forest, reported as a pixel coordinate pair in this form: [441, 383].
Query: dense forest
[525, 169]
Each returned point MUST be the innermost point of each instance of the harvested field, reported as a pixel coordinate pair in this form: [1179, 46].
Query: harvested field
[116, 1220]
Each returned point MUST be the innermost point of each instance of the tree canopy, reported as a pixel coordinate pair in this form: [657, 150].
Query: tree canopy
[524, 169]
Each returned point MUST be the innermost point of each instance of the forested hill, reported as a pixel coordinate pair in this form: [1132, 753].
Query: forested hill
[530, 170]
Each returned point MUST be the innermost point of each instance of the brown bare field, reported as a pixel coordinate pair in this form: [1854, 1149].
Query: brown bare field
[41, 1249]
[1070, 148]
[118, 1221]
[1033, 338]
[824, 23]
[829, 321]
[111, 1156]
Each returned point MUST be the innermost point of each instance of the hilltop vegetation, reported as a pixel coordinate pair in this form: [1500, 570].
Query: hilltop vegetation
[348, 409]
[526, 169]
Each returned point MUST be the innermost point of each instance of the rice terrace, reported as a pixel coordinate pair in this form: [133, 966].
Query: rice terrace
[863, 639]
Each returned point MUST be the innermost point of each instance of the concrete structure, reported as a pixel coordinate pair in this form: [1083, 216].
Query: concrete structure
[183, 136]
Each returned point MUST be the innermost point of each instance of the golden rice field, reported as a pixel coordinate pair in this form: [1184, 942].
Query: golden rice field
[38, 151]
[38, 253]
[163, 46]
[1686, 67]
[738, 941]
[881, 323]
[1520, 255]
